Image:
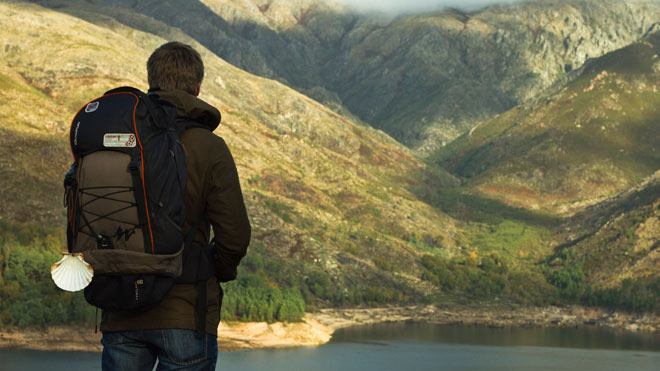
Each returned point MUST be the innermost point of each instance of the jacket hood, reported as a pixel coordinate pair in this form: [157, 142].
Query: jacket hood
[190, 107]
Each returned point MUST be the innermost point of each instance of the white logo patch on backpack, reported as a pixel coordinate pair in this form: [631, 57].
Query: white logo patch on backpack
[92, 107]
[119, 140]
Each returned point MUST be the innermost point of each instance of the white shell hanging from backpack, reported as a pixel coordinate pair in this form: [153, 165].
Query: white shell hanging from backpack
[72, 273]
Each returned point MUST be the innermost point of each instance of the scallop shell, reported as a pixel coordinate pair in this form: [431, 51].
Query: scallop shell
[72, 273]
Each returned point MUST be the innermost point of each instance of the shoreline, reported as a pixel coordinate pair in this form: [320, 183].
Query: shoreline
[317, 328]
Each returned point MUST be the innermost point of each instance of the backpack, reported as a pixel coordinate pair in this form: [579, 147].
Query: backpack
[125, 199]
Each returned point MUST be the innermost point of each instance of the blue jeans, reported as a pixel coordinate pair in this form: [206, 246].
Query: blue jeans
[173, 348]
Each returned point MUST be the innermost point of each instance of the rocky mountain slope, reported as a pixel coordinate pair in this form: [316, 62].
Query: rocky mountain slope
[340, 210]
[588, 152]
[618, 239]
[595, 137]
[424, 79]
[322, 191]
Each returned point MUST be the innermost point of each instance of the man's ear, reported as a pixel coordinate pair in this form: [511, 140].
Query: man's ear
[199, 87]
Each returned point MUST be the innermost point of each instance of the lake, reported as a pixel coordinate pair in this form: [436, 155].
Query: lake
[414, 346]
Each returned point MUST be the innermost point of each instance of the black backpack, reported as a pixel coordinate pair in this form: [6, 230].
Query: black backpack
[125, 197]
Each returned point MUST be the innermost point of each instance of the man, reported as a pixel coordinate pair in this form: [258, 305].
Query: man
[166, 332]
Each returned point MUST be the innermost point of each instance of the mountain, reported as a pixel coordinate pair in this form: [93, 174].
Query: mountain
[328, 197]
[595, 137]
[521, 207]
[424, 79]
[618, 239]
[610, 253]
[586, 151]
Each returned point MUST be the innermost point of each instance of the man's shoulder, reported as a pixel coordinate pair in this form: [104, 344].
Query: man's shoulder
[199, 135]
[204, 145]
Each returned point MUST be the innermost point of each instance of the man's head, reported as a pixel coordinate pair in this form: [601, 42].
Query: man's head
[175, 65]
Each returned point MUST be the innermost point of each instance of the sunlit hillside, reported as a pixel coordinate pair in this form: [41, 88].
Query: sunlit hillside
[616, 240]
[597, 136]
[551, 202]
[322, 191]
[588, 152]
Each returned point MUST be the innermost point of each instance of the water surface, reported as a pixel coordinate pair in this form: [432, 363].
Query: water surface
[407, 346]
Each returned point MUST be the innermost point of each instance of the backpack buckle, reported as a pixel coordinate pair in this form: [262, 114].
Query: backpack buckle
[103, 242]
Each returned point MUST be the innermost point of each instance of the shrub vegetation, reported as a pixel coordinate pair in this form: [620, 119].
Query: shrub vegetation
[28, 296]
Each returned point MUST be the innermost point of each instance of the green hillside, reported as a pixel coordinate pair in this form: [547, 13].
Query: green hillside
[618, 239]
[328, 199]
[610, 252]
[593, 139]
[587, 152]
[342, 214]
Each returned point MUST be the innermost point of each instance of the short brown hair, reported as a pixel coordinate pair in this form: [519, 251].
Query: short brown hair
[175, 65]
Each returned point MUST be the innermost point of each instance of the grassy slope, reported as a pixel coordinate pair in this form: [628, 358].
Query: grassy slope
[593, 139]
[336, 207]
[30, 146]
[592, 143]
[617, 239]
[322, 192]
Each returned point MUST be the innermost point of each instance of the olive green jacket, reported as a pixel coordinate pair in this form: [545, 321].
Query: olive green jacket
[214, 197]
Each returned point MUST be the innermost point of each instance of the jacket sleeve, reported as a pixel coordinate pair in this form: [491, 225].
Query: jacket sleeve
[227, 214]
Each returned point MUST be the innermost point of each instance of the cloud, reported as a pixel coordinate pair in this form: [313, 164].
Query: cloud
[404, 6]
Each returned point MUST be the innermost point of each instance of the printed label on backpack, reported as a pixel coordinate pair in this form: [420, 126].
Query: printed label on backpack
[92, 107]
[119, 140]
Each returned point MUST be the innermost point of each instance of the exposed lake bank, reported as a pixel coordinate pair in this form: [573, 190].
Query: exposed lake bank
[317, 328]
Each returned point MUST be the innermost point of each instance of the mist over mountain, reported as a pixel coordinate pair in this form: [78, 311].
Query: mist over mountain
[418, 6]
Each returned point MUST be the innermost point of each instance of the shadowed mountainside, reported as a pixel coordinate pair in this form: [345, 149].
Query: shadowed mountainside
[617, 239]
[595, 137]
[587, 151]
[424, 79]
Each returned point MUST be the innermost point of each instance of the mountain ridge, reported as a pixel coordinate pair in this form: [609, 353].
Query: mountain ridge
[413, 76]
[589, 141]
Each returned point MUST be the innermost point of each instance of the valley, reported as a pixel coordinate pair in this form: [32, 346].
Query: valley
[504, 155]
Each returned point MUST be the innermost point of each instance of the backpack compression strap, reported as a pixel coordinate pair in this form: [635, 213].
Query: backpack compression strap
[198, 267]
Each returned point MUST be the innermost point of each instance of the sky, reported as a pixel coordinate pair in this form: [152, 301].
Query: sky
[397, 6]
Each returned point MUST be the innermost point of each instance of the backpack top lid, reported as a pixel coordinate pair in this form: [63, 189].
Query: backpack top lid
[116, 121]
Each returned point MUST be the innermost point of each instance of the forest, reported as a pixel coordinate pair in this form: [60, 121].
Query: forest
[268, 291]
